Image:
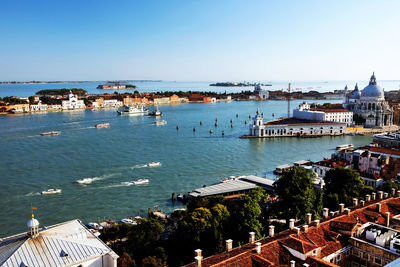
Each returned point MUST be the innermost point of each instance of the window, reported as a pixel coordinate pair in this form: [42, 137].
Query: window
[377, 261]
[338, 257]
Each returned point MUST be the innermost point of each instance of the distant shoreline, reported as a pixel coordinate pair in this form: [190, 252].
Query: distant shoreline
[50, 82]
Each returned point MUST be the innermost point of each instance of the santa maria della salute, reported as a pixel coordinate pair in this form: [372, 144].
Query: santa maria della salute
[369, 105]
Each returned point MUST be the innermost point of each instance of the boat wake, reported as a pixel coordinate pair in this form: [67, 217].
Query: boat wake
[31, 194]
[119, 185]
[89, 180]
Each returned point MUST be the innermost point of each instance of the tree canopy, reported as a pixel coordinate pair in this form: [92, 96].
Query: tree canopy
[296, 192]
[63, 91]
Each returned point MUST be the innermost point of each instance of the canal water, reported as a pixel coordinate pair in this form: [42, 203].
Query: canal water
[112, 157]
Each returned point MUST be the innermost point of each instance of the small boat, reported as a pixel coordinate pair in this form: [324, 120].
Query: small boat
[95, 226]
[129, 221]
[85, 181]
[130, 110]
[102, 125]
[160, 122]
[156, 113]
[141, 181]
[95, 232]
[345, 146]
[50, 133]
[153, 164]
[51, 191]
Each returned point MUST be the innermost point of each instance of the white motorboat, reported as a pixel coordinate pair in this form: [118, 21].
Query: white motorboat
[129, 221]
[160, 122]
[133, 110]
[95, 226]
[141, 181]
[50, 133]
[85, 181]
[153, 164]
[51, 191]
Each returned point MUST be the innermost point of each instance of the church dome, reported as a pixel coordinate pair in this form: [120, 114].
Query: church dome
[373, 90]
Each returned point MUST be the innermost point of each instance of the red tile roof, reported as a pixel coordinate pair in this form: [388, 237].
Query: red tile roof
[385, 150]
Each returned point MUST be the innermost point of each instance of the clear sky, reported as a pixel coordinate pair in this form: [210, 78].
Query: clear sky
[199, 40]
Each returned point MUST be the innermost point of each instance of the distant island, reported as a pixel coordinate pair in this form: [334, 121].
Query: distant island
[63, 91]
[116, 86]
[240, 84]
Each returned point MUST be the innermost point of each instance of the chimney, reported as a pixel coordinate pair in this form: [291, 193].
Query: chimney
[271, 230]
[367, 198]
[386, 195]
[331, 213]
[197, 252]
[347, 211]
[309, 215]
[355, 201]
[380, 195]
[362, 202]
[325, 213]
[258, 247]
[297, 230]
[398, 193]
[198, 257]
[341, 207]
[373, 195]
[198, 260]
[252, 237]
[316, 222]
[305, 228]
[291, 223]
[292, 263]
[387, 219]
[378, 207]
[228, 244]
[306, 264]
[393, 192]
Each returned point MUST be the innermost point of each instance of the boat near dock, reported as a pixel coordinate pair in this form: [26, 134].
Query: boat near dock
[133, 110]
[51, 191]
[102, 125]
[50, 133]
[345, 146]
[280, 169]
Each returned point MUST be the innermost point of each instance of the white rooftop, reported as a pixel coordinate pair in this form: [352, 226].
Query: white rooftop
[65, 244]
[221, 188]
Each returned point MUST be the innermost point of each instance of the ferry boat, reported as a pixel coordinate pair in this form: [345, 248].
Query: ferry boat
[131, 110]
[141, 181]
[345, 146]
[102, 125]
[50, 133]
[160, 122]
[156, 113]
[153, 164]
[51, 191]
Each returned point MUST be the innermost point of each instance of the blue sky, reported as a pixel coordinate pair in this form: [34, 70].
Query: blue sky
[199, 40]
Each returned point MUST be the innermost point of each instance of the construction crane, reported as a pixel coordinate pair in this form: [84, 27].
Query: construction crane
[288, 102]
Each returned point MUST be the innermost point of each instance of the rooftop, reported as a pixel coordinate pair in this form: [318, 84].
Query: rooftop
[296, 121]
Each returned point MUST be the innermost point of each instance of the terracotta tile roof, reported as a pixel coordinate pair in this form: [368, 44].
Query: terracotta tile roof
[385, 150]
[299, 245]
[326, 237]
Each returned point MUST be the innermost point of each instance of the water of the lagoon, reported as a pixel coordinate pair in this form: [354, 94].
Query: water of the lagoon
[23, 90]
[30, 163]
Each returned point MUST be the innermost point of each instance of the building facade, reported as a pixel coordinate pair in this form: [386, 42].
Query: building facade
[369, 104]
[72, 102]
[323, 114]
[294, 127]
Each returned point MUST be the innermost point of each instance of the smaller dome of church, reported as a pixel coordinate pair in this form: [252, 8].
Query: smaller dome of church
[355, 94]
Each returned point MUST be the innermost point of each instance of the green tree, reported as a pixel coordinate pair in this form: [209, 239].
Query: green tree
[126, 260]
[152, 261]
[296, 192]
[388, 185]
[342, 185]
